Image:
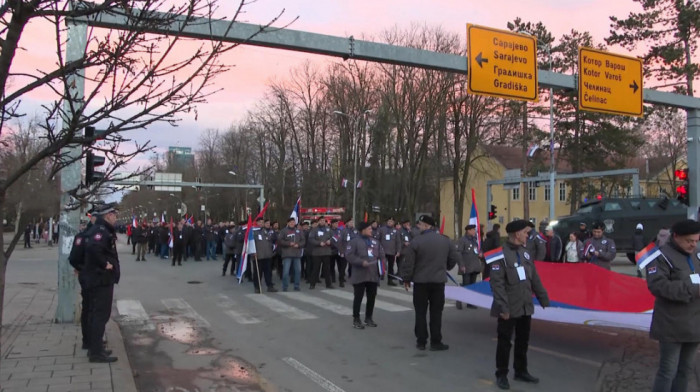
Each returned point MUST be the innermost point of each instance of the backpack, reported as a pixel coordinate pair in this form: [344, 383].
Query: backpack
[77, 252]
[230, 240]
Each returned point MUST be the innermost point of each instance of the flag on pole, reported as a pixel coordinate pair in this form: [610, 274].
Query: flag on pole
[442, 225]
[190, 220]
[344, 183]
[359, 184]
[531, 152]
[647, 255]
[295, 211]
[172, 236]
[134, 223]
[474, 220]
[493, 255]
[262, 212]
[162, 218]
[248, 249]
[365, 216]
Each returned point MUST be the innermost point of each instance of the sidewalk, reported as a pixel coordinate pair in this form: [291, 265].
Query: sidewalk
[39, 355]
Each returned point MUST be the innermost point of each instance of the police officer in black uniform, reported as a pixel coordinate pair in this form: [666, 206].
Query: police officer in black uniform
[513, 281]
[77, 261]
[101, 273]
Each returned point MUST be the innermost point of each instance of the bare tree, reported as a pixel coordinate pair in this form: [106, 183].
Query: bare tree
[133, 79]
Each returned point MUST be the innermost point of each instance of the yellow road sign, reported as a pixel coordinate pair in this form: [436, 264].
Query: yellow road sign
[501, 63]
[609, 83]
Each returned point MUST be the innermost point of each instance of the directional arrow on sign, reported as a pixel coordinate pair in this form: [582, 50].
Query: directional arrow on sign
[480, 60]
[634, 86]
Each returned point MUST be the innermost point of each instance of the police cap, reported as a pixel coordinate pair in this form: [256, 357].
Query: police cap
[106, 209]
[517, 225]
[427, 219]
[469, 227]
[686, 227]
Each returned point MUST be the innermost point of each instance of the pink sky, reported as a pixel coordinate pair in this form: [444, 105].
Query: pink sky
[254, 67]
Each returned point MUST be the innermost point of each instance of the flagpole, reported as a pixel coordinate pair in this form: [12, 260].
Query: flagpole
[257, 271]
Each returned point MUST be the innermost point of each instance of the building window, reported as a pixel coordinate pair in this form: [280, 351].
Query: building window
[546, 192]
[516, 194]
[562, 191]
[532, 193]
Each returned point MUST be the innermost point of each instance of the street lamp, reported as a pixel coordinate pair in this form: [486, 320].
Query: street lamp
[356, 142]
[231, 172]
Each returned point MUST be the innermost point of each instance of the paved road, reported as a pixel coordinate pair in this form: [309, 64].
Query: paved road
[190, 329]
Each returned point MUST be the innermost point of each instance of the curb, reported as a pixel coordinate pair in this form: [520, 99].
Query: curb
[122, 375]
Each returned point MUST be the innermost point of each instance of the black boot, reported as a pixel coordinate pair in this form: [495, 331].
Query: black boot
[357, 324]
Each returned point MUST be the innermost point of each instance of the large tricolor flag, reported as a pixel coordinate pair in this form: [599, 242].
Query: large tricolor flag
[474, 220]
[248, 249]
[295, 211]
[134, 223]
[493, 255]
[647, 255]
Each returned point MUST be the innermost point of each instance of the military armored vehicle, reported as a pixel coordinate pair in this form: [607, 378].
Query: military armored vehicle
[621, 216]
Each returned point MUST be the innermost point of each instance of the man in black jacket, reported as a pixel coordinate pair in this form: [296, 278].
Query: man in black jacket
[101, 273]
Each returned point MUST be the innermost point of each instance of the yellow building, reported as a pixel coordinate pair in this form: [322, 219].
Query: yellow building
[655, 177]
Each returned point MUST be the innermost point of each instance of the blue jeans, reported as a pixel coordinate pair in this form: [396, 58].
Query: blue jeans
[211, 250]
[676, 363]
[286, 262]
[163, 251]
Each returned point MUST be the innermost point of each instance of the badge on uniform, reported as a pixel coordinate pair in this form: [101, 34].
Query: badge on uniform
[604, 242]
[97, 237]
[495, 267]
[370, 253]
[651, 270]
[526, 255]
[387, 237]
[476, 251]
[78, 240]
[349, 247]
[259, 237]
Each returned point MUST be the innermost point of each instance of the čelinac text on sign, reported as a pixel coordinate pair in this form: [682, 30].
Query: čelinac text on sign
[610, 83]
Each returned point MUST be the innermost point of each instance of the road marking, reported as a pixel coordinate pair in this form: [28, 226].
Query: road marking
[562, 355]
[379, 304]
[181, 307]
[396, 295]
[133, 313]
[315, 377]
[280, 307]
[321, 303]
[238, 316]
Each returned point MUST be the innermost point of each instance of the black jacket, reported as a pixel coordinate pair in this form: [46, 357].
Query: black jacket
[100, 249]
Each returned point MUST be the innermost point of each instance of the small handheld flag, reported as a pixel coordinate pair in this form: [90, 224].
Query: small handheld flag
[380, 267]
[647, 255]
[248, 249]
[344, 183]
[162, 218]
[295, 211]
[359, 184]
[494, 255]
[474, 220]
[133, 221]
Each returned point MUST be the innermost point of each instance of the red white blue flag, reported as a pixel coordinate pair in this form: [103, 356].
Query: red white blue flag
[531, 152]
[248, 249]
[647, 255]
[134, 223]
[344, 183]
[380, 267]
[295, 211]
[494, 255]
[474, 220]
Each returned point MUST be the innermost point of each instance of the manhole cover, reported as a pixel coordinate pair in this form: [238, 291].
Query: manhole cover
[194, 282]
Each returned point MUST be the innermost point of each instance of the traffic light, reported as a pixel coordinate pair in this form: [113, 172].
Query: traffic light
[492, 213]
[683, 189]
[91, 160]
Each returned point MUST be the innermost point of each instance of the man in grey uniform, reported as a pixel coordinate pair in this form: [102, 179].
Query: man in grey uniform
[513, 281]
[536, 243]
[470, 261]
[263, 265]
[391, 242]
[320, 242]
[672, 277]
[427, 261]
[599, 249]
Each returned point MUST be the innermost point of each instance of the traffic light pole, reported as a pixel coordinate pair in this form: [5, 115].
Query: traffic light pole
[693, 162]
[69, 220]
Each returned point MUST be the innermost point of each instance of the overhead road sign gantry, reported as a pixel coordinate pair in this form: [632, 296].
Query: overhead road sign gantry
[502, 63]
[609, 83]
